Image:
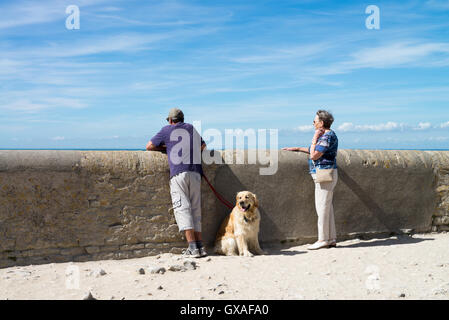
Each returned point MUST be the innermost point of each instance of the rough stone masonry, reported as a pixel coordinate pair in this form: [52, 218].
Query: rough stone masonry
[62, 205]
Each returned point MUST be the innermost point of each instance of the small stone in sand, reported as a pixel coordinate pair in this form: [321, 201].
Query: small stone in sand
[89, 296]
[99, 272]
[177, 267]
[191, 265]
[160, 270]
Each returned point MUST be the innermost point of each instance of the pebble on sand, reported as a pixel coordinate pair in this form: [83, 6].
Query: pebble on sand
[89, 296]
[160, 270]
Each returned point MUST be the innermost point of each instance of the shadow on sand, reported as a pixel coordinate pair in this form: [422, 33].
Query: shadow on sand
[269, 251]
[285, 249]
[384, 242]
[397, 240]
[282, 251]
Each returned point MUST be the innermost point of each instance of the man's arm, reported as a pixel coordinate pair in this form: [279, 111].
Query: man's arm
[151, 147]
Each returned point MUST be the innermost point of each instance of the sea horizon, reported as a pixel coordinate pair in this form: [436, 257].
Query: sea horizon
[131, 149]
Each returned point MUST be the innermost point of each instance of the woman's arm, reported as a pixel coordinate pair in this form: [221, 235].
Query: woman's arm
[297, 149]
[315, 155]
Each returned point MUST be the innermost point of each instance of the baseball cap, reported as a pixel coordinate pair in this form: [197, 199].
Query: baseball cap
[175, 114]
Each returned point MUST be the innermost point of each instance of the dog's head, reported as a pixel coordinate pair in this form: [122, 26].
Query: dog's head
[246, 201]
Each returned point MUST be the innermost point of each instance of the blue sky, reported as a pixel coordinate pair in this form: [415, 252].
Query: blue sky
[229, 64]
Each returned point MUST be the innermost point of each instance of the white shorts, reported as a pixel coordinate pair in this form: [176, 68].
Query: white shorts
[185, 190]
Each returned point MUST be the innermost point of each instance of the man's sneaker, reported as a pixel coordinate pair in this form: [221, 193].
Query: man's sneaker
[189, 253]
[203, 252]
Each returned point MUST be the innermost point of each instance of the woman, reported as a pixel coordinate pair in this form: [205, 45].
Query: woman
[323, 154]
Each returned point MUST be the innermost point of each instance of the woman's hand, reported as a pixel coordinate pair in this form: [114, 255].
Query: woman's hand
[290, 149]
[318, 133]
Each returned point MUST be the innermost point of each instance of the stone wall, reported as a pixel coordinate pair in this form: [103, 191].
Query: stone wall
[440, 220]
[58, 206]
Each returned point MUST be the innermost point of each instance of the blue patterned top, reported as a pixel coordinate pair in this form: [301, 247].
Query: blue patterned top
[328, 145]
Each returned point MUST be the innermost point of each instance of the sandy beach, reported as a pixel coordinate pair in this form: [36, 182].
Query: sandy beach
[399, 267]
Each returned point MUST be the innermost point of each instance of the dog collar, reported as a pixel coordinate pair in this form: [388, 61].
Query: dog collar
[246, 219]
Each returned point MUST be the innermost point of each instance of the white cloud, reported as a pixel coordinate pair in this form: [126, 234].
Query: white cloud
[9, 67]
[394, 55]
[438, 138]
[32, 105]
[110, 9]
[105, 44]
[281, 54]
[24, 13]
[57, 138]
[94, 45]
[24, 105]
[438, 4]
[306, 128]
[347, 126]
[389, 126]
[27, 14]
[445, 124]
[64, 103]
[423, 126]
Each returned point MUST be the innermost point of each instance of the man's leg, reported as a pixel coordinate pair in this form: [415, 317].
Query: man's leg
[198, 236]
[179, 188]
[190, 235]
[195, 200]
[191, 239]
[199, 244]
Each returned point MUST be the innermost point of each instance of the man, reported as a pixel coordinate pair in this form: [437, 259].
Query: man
[183, 145]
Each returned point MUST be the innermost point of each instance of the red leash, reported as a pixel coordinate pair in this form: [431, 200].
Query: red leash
[219, 196]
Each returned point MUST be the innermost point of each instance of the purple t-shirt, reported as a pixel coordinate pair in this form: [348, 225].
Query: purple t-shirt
[183, 144]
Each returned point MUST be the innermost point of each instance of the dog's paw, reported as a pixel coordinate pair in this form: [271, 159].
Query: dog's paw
[248, 254]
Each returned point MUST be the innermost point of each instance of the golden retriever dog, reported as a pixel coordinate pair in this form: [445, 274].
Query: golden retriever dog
[238, 234]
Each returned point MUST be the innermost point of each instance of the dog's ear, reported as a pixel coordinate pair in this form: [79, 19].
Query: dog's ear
[237, 199]
[256, 201]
